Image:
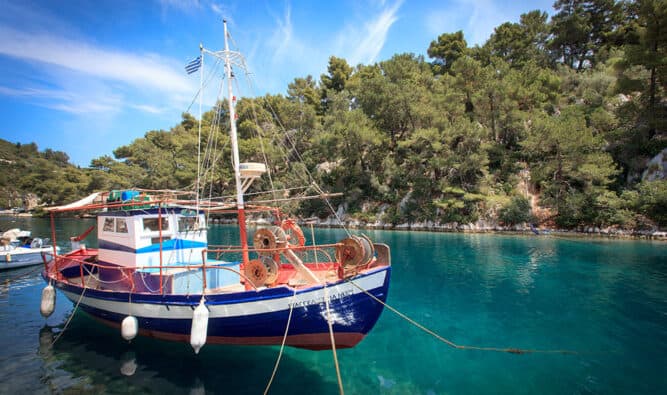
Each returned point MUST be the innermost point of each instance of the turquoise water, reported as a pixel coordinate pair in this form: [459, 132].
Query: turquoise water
[606, 300]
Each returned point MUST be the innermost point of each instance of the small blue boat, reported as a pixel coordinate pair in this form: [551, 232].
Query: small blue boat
[19, 249]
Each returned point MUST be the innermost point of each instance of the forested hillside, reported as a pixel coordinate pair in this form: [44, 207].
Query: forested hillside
[551, 121]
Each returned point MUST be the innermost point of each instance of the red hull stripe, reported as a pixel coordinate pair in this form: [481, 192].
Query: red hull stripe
[311, 341]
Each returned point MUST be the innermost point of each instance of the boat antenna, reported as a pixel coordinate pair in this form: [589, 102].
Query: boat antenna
[235, 149]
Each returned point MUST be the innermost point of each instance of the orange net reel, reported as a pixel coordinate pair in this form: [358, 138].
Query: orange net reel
[294, 234]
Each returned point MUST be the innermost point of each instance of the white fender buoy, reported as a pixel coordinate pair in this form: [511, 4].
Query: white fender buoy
[48, 301]
[199, 327]
[129, 328]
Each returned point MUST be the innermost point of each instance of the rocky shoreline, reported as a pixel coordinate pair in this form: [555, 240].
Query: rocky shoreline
[477, 227]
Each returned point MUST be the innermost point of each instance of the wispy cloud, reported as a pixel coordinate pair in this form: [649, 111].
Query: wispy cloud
[282, 40]
[148, 108]
[66, 101]
[147, 70]
[477, 18]
[374, 36]
[180, 5]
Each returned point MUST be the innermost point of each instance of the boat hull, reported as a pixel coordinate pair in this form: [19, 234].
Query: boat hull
[251, 317]
[25, 257]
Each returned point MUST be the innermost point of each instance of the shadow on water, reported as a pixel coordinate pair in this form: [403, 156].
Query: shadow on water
[89, 357]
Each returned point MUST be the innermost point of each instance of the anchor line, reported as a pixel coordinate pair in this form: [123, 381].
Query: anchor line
[450, 343]
[70, 317]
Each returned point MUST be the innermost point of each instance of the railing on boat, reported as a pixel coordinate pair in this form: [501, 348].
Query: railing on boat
[320, 258]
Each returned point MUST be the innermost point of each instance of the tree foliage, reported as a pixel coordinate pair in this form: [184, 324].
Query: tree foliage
[570, 108]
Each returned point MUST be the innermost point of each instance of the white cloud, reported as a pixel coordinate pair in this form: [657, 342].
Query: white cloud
[375, 35]
[477, 18]
[144, 71]
[180, 5]
[67, 101]
[148, 108]
[282, 41]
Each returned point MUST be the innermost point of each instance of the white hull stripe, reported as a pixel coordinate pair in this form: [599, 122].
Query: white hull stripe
[307, 298]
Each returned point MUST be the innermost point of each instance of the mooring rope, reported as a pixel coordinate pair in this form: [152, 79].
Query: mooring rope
[333, 341]
[331, 334]
[282, 345]
[70, 317]
[450, 343]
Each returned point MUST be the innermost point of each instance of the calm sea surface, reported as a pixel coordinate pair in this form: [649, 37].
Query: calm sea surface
[606, 300]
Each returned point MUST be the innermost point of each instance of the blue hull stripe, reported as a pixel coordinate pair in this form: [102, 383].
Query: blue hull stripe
[362, 310]
[170, 245]
[305, 320]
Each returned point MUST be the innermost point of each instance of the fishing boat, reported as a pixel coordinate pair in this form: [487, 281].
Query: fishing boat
[19, 249]
[154, 273]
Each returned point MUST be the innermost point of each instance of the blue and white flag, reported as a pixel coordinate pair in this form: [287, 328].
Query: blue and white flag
[194, 65]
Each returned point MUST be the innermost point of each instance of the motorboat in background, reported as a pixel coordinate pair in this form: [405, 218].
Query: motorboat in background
[19, 249]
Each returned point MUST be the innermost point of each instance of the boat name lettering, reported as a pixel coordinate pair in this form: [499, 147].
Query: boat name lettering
[339, 295]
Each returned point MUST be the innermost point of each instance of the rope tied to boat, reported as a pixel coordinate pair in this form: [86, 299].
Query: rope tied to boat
[329, 323]
[510, 350]
[282, 345]
[76, 306]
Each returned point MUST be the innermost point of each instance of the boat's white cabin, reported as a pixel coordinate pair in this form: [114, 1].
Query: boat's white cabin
[137, 238]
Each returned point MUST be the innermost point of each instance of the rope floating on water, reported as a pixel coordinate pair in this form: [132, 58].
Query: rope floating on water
[450, 343]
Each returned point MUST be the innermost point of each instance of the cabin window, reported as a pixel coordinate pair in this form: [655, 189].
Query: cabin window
[108, 225]
[186, 224]
[151, 224]
[115, 225]
[121, 225]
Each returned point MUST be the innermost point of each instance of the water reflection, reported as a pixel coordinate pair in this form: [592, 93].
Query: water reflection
[90, 357]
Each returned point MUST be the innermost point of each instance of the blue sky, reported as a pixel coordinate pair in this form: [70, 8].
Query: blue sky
[86, 77]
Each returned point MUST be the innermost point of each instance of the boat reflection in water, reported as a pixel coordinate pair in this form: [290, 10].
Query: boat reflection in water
[79, 362]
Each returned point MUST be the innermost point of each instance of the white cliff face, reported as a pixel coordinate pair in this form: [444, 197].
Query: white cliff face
[656, 169]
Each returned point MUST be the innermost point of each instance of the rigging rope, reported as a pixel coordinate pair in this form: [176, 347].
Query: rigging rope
[308, 177]
[259, 135]
[450, 343]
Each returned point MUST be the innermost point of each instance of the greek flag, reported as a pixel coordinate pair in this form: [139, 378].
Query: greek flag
[194, 65]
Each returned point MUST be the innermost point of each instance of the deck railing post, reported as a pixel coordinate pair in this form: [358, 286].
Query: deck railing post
[55, 251]
[159, 225]
[203, 269]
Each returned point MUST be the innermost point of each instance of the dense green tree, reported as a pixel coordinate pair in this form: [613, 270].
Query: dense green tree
[338, 74]
[446, 50]
[519, 43]
[550, 108]
[582, 31]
